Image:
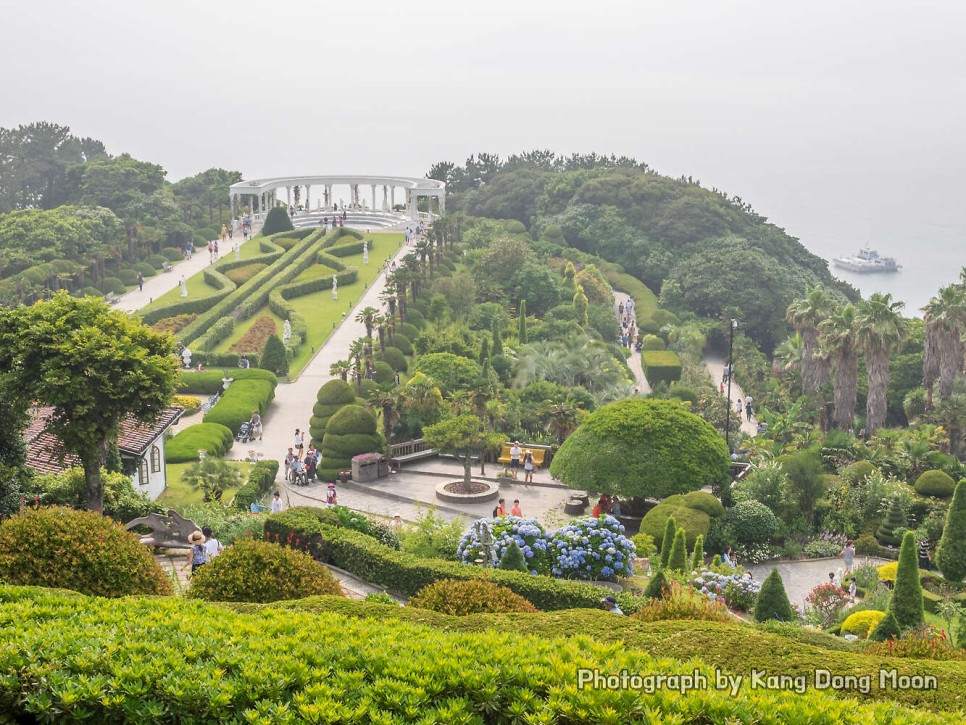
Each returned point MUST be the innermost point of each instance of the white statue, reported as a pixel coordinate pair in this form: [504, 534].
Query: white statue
[184, 286]
[186, 358]
[234, 248]
[365, 251]
[287, 331]
[335, 287]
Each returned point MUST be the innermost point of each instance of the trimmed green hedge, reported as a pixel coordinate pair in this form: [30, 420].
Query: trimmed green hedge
[407, 574]
[208, 382]
[283, 663]
[216, 439]
[661, 366]
[261, 479]
[235, 406]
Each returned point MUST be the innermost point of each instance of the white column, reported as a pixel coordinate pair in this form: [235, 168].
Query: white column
[385, 198]
[413, 207]
[374, 206]
[288, 195]
[251, 205]
[328, 196]
[232, 198]
[442, 202]
[392, 197]
[308, 188]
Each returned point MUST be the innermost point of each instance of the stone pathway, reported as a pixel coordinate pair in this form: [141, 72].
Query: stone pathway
[634, 361]
[800, 577]
[164, 282]
[715, 366]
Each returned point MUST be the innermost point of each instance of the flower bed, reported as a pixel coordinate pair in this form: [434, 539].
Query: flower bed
[529, 535]
[254, 340]
[738, 592]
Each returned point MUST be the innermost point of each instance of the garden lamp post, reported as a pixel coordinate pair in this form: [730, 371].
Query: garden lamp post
[731, 374]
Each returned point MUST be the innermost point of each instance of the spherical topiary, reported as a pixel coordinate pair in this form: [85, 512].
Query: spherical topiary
[383, 374]
[84, 551]
[128, 276]
[394, 357]
[259, 571]
[700, 500]
[862, 623]
[773, 601]
[682, 392]
[157, 261]
[144, 268]
[935, 483]
[113, 284]
[693, 522]
[407, 329]
[858, 472]
[415, 317]
[402, 342]
[470, 596]
[652, 342]
[172, 254]
[332, 397]
[753, 522]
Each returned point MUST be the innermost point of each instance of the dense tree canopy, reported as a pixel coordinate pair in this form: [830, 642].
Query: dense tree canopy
[642, 448]
[94, 365]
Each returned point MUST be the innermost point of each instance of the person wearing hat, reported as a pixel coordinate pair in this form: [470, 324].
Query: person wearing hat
[330, 497]
[528, 466]
[610, 604]
[198, 555]
[515, 454]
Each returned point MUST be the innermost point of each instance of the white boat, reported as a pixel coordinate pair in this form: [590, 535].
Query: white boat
[867, 261]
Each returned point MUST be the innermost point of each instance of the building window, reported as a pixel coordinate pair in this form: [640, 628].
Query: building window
[143, 472]
[155, 459]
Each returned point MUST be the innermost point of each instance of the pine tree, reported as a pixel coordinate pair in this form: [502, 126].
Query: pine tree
[273, 356]
[485, 349]
[570, 278]
[906, 603]
[668, 540]
[658, 586]
[523, 322]
[697, 558]
[895, 519]
[887, 628]
[951, 552]
[512, 559]
[678, 561]
[497, 340]
[773, 600]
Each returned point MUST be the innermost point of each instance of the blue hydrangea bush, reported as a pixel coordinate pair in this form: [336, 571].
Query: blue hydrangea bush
[586, 548]
[737, 591]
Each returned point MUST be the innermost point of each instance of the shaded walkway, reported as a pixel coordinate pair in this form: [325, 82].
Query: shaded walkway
[715, 366]
[634, 361]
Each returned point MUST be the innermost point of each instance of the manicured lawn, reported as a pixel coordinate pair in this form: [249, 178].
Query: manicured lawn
[321, 313]
[197, 287]
[178, 493]
[316, 271]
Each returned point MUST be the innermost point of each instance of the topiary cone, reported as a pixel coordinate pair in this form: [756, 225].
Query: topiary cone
[678, 560]
[667, 541]
[887, 628]
[906, 603]
[773, 600]
[512, 559]
[697, 558]
[658, 586]
[951, 552]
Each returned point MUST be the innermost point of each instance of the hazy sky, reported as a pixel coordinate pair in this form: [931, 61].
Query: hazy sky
[842, 121]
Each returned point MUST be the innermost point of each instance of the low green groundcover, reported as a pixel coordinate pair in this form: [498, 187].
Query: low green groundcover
[68, 658]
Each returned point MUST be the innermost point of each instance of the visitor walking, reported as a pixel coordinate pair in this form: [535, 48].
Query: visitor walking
[727, 558]
[197, 555]
[224, 233]
[848, 556]
[528, 466]
[515, 510]
[140, 281]
[331, 496]
[748, 409]
[299, 446]
[213, 547]
[276, 502]
[500, 509]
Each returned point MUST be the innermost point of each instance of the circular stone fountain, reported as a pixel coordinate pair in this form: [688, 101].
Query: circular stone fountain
[453, 492]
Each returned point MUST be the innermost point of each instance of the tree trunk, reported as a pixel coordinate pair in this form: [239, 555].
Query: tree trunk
[877, 362]
[950, 363]
[845, 389]
[93, 460]
[467, 473]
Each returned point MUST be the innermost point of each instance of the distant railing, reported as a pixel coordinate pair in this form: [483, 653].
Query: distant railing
[410, 450]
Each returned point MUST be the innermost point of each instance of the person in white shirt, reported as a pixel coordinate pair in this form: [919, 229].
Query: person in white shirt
[515, 454]
[212, 546]
[276, 503]
[610, 604]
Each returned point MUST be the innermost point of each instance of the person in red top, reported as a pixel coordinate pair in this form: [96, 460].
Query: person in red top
[500, 509]
[516, 510]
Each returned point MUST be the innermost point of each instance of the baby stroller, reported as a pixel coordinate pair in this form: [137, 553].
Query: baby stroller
[245, 433]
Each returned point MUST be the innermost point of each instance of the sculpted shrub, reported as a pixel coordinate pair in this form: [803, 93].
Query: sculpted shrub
[862, 623]
[470, 596]
[84, 551]
[258, 571]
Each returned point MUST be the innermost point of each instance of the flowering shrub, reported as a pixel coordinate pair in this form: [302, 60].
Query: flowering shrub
[824, 545]
[363, 524]
[258, 571]
[887, 572]
[589, 548]
[927, 643]
[825, 603]
[681, 603]
[755, 553]
[734, 590]
[470, 596]
[63, 548]
[529, 535]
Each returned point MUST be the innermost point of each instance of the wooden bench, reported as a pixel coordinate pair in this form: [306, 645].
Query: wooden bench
[538, 455]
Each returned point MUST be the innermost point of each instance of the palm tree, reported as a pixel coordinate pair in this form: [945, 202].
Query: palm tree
[880, 329]
[838, 338]
[563, 417]
[341, 369]
[388, 296]
[945, 320]
[390, 403]
[805, 315]
[788, 355]
[368, 316]
[357, 353]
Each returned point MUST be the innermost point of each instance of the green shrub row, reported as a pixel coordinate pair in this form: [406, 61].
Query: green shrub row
[208, 382]
[235, 406]
[71, 658]
[661, 366]
[233, 302]
[347, 249]
[645, 301]
[407, 574]
[193, 305]
[214, 438]
[261, 478]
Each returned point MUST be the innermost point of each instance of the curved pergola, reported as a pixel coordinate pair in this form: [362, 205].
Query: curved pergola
[263, 193]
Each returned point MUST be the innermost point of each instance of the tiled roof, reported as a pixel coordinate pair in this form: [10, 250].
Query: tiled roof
[45, 452]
